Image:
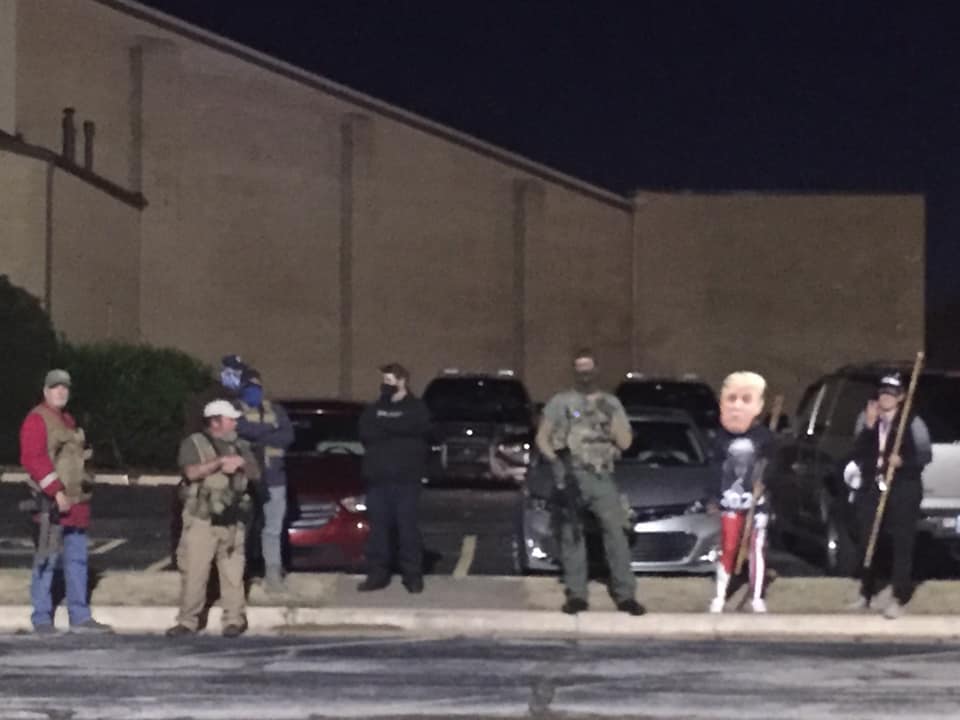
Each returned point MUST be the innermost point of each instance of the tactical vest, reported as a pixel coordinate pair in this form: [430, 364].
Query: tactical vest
[66, 450]
[219, 498]
[265, 415]
[588, 433]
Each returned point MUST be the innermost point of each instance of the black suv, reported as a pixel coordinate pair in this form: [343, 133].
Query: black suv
[687, 393]
[811, 503]
[483, 427]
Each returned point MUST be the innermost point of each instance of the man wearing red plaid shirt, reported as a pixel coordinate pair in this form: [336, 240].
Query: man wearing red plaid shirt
[52, 452]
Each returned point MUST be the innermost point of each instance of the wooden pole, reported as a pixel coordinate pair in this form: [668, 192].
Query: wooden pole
[890, 471]
[758, 469]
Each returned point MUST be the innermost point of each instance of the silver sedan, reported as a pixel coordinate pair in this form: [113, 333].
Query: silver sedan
[666, 479]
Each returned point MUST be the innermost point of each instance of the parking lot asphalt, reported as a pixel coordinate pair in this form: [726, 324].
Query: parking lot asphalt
[466, 531]
[269, 678]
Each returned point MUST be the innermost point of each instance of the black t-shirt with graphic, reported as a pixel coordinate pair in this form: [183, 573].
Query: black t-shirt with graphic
[735, 456]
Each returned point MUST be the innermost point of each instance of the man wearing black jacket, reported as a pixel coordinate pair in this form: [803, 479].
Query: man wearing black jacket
[873, 453]
[394, 433]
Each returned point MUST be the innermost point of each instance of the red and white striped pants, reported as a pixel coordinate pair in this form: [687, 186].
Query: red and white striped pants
[731, 531]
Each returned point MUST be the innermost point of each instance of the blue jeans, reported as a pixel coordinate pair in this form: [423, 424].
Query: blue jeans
[274, 511]
[73, 559]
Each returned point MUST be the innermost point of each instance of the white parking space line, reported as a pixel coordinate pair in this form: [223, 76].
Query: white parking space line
[16, 546]
[158, 565]
[108, 546]
[467, 550]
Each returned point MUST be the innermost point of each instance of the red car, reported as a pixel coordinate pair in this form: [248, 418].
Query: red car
[326, 513]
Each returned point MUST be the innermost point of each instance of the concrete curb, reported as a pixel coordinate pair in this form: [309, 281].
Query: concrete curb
[109, 479]
[487, 623]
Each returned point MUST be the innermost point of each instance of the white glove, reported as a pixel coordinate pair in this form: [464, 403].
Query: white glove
[760, 521]
[852, 476]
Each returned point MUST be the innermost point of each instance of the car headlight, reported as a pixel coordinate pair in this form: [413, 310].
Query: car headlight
[695, 508]
[516, 452]
[354, 503]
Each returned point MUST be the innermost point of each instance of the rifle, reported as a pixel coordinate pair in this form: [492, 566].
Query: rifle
[49, 531]
[759, 468]
[890, 470]
[566, 502]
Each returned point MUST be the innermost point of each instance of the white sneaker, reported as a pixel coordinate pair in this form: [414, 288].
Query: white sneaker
[861, 603]
[716, 605]
[758, 605]
[893, 610]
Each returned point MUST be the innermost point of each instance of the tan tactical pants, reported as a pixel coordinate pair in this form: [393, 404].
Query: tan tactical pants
[200, 544]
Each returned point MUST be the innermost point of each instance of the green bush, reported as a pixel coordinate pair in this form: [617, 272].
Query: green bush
[27, 347]
[130, 400]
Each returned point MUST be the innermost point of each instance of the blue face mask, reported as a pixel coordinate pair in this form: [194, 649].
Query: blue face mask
[230, 378]
[252, 395]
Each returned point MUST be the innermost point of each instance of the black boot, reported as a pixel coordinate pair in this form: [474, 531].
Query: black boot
[373, 582]
[575, 605]
[631, 607]
[414, 585]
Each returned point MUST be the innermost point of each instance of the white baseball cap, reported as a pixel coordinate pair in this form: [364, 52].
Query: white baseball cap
[221, 408]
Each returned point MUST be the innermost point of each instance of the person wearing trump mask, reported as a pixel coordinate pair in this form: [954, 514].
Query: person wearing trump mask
[741, 443]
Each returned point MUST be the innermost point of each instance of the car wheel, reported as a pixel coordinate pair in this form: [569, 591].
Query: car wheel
[839, 549]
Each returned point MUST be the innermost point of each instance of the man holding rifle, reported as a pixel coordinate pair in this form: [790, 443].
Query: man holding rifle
[582, 434]
[53, 451]
[873, 455]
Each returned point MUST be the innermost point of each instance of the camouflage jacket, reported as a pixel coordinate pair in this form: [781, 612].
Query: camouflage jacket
[589, 427]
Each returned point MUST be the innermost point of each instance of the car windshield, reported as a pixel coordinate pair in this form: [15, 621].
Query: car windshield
[938, 403]
[478, 400]
[663, 442]
[696, 398]
[318, 433]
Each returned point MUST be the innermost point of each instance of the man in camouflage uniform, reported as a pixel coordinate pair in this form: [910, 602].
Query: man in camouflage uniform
[582, 434]
[216, 466]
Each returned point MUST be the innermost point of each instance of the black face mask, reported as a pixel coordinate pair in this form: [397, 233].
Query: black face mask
[585, 381]
[387, 392]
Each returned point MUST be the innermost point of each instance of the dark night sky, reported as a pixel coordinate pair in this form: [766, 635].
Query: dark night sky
[807, 96]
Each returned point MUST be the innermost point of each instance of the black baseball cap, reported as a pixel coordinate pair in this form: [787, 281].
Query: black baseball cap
[891, 383]
[234, 362]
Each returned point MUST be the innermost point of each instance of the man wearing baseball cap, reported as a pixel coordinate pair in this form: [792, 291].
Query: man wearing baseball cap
[52, 451]
[873, 454]
[266, 426]
[225, 386]
[217, 468]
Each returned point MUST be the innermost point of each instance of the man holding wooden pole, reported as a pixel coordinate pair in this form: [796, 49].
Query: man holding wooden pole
[890, 451]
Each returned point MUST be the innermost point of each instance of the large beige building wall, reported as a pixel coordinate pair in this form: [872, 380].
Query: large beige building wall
[319, 232]
[432, 264]
[316, 236]
[23, 222]
[76, 53]
[788, 285]
[241, 237]
[95, 272]
[8, 65]
[579, 289]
